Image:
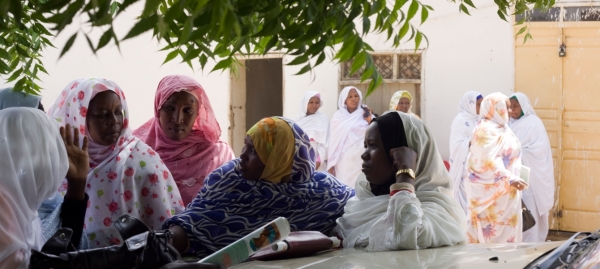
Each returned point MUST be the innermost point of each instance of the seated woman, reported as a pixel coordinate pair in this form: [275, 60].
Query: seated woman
[10, 98]
[126, 175]
[185, 133]
[402, 101]
[403, 199]
[492, 181]
[35, 160]
[274, 177]
[314, 124]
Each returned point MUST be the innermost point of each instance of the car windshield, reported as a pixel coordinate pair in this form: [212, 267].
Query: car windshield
[573, 253]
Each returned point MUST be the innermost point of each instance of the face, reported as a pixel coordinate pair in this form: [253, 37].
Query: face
[178, 114]
[508, 108]
[516, 109]
[105, 118]
[353, 100]
[478, 105]
[403, 105]
[251, 166]
[377, 167]
[313, 105]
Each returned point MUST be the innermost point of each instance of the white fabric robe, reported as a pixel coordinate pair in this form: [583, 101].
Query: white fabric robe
[427, 218]
[537, 155]
[316, 126]
[461, 133]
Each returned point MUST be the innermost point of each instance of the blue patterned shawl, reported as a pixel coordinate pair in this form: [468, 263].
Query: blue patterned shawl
[229, 207]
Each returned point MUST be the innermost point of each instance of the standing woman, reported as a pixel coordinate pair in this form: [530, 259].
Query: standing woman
[461, 133]
[11, 98]
[126, 175]
[537, 155]
[492, 181]
[314, 124]
[347, 130]
[185, 133]
[402, 101]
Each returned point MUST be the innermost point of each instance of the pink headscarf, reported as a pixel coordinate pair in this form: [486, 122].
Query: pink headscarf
[193, 158]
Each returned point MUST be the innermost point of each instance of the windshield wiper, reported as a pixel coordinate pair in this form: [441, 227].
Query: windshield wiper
[549, 259]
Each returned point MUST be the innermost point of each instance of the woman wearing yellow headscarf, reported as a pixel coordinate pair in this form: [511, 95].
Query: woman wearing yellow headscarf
[274, 177]
[402, 101]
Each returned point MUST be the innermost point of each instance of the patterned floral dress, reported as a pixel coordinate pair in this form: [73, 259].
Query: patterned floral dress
[494, 163]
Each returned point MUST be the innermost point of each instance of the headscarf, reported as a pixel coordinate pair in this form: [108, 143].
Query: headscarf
[392, 132]
[229, 207]
[34, 162]
[537, 154]
[396, 98]
[493, 108]
[432, 188]
[10, 98]
[127, 177]
[461, 133]
[346, 128]
[274, 143]
[316, 126]
[194, 157]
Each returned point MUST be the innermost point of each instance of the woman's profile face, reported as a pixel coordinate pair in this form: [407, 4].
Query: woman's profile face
[251, 166]
[104, 119]
[353, 100]
[377, 167]
[178, 114]
[515, 108]
[403, 105]
[313, 105]
[478, 105]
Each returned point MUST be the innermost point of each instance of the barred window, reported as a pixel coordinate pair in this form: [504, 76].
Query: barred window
[390, 66]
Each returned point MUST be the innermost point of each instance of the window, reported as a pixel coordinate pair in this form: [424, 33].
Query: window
[397, 67]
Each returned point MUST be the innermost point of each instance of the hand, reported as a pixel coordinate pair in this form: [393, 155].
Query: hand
[331, 171]
[317, 165]
[519, 185]
[404, 158]
[79, 164]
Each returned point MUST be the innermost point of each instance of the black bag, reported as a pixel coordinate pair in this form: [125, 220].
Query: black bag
[528, 220]
[141, 248]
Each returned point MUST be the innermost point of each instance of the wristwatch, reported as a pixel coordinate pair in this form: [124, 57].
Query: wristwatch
[408, 171]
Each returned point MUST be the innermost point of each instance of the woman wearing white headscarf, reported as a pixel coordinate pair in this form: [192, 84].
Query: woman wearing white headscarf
[314, 123]
[347, 132]
[404, 199]
[34, 163]
[537, 155]
[402, 101]
[461, 133]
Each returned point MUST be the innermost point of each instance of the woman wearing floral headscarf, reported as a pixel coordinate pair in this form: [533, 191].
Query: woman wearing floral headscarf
[492, 181]
[185, 133]
[274, 177]
[126, 175]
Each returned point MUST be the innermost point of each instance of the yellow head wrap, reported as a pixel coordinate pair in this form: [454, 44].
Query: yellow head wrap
[275, 144]
[396, 98]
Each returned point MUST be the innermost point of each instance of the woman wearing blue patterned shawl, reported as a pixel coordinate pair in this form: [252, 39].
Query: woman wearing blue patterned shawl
[274, 177]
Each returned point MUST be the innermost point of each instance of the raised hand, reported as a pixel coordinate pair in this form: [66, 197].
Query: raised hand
[79, 164]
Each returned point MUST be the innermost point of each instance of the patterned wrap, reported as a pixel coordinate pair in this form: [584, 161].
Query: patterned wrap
[229, 207]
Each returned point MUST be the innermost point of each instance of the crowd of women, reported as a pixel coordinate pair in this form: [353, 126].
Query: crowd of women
[80, 166]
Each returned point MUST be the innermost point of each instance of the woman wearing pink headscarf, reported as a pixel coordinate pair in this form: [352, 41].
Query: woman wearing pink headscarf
[185, 133]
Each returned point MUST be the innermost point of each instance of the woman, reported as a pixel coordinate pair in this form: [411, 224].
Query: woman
[10, 98]
[35, 160]
[314, 124]
[274, 177]
[492, 180]
[461, 133]
[402, 101]
[347, 131]
[185, 133]
[126, 175]
[404, 200]
[537, 155]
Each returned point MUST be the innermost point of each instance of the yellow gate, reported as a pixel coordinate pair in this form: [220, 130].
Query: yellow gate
[564, 89]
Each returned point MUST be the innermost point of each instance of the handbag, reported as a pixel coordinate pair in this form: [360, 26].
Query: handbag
[528, 220]
[142, 248]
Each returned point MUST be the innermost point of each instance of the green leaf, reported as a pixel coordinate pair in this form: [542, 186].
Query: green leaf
[223, 64]
[171, 56]
[424, 15]
[358, 62]
[68, 45]
[418, 40]
[304, 69]
[527, 37]
[501, 15]
[521, 21]
[470, 3]
[14, 75]
[87, 38]
[114, 6]
[522, 30]
[41, 68]
[203, 60]
[412, 10]
[320, 59]
[299, 60]
[150, 8]
[4, 54]
[105, 38]
[464, 9]
[142, 26]
[404, 30]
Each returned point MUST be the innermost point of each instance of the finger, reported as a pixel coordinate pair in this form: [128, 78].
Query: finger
[76, 137]
[84, 147]
[62, 133]
[68, 134]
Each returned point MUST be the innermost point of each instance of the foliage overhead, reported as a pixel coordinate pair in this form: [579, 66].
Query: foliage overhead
[224, 30]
